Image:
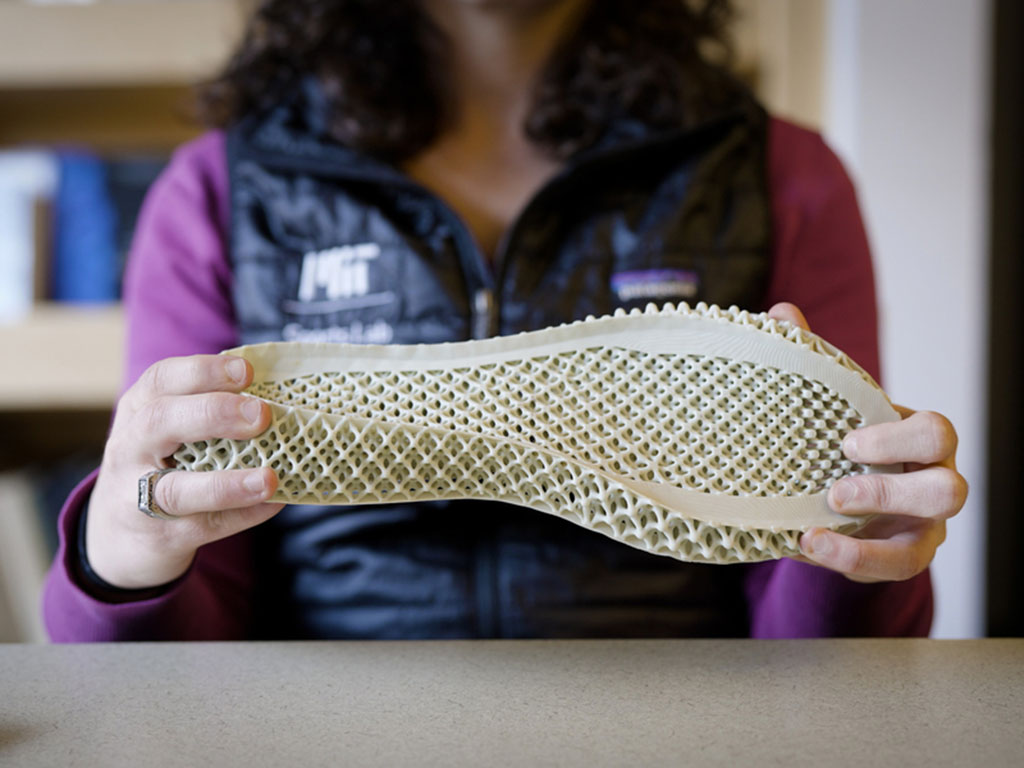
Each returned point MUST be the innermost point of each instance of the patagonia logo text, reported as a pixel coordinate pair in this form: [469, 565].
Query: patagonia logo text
[655, 284]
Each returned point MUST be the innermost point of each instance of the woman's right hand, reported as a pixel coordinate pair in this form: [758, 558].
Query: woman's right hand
[177, 400]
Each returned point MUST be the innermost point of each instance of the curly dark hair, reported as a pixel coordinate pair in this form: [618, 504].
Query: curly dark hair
[382, 68]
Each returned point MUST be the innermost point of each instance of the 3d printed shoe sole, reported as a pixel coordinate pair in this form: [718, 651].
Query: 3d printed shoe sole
[704, 434]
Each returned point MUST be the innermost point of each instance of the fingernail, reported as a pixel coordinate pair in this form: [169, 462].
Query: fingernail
[252, 410]
[850, 446]
[819, 544]
[844, 493]
[236, 369]
[255, 482]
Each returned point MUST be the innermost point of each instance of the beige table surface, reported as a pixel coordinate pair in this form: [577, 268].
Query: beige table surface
[489, 703]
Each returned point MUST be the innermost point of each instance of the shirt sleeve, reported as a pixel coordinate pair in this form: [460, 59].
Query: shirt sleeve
[177, 300]
[822, 264]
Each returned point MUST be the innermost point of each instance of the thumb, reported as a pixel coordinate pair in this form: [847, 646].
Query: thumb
[789, 313]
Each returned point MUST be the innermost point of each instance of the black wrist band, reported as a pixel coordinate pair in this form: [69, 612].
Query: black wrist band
[93, 583]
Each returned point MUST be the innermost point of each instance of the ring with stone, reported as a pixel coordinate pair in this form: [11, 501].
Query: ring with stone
[147, 494]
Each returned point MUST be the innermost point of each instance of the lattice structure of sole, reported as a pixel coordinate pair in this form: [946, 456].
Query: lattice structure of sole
[704, 434]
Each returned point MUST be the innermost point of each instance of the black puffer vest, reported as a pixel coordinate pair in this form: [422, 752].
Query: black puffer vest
[330, 245]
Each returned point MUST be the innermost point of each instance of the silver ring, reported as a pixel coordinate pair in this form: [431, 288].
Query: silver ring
[147, 494]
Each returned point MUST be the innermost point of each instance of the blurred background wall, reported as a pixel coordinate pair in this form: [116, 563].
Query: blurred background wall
[900, 89]
[908, 108]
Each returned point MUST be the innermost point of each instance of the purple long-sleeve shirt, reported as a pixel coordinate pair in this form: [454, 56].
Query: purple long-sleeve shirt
[178, 302]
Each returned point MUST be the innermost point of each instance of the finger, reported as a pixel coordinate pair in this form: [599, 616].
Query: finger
[164, 424]
[222, 523]
[887, 526]
[935, 492]
[189, 493]
[790, 313]
[898, 558]
[188, 376]
[924, 438]
[199, 529]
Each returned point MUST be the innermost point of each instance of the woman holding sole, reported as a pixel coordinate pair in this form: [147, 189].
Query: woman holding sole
[439, 170]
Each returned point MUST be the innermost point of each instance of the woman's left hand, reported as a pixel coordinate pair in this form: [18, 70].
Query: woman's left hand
[911, 508]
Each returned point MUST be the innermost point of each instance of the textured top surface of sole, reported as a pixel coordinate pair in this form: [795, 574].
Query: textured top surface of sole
[705, 434]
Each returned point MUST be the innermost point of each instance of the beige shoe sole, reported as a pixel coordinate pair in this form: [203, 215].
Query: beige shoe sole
[704, 434]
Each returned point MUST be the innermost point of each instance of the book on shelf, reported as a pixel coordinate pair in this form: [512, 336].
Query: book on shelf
[129, 177]
[28, 179]
[68, 216]
[84, 226]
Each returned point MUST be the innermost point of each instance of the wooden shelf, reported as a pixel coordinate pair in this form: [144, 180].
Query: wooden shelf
[115, 119]
[109, 75]
[62, 357]
[115, 43]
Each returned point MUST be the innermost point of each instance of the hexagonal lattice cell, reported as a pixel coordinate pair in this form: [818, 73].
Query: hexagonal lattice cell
[705, 434]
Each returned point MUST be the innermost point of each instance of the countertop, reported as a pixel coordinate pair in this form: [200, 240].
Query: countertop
[493, 703]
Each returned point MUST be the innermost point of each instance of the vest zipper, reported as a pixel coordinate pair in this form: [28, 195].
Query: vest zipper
[484, 315]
